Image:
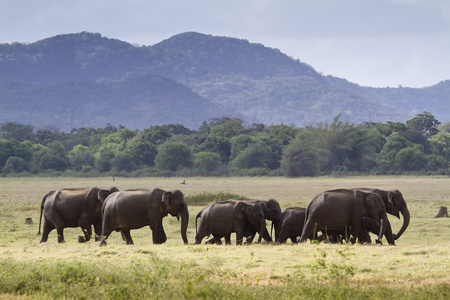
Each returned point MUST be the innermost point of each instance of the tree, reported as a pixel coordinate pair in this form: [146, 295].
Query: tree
[300, 158]
[227, 127]
[155, 134]
[15, 165]
[410, 158]
[254, 155]
[17, 131]
[53, 157]
[141, 152]
[239, 144]
[206, 162]
[122, 162]
[424, 122]
[344, 144]
[174, 156]
[394, 143]
[81, 158]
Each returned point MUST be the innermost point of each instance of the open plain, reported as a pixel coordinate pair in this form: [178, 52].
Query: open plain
[418, 267]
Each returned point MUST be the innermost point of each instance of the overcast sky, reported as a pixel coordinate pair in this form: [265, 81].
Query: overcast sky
[375, 43]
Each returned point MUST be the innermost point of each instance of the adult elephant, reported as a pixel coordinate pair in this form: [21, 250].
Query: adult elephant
[342, 209]
[395, 204]
[290, 225]
[133, 209]
[72, 208]
[222, 218]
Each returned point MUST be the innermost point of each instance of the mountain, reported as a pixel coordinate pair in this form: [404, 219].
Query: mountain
[87, 80]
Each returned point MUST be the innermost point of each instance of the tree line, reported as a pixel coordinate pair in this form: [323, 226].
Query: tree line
[224, 146]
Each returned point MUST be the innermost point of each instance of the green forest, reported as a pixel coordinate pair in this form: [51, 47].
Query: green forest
[225, 147]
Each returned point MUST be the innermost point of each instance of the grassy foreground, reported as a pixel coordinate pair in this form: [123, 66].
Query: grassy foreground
[417, 268]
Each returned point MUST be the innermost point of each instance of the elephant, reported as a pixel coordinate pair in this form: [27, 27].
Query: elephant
[344, 209]
[395, 204]
[272, 212]
[290, 225]
[222, 218]
[72, 208]
[134, 209]
[370, 225]
[293, 219]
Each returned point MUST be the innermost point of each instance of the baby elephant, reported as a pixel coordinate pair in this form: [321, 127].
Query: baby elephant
[290, 225]
[222, 218]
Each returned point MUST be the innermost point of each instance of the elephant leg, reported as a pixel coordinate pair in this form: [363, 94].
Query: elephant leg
[59, 224]
[103, 239]
[309, 231]
[158, 234]
[294, 239]
[265, 236]
[239, 236]
[364, 236]
[212, 240]
[283, 236]
[354, 233]
[250, 238]
[163, 235]
[98, 230]
[60, 232]
[87, 234]
[106, 231]
[216, 239]
[126, 236]
[228, 239]
[46, 228]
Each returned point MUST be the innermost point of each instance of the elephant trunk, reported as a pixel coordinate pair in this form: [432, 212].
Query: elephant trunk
[184, 224]
[406, 217]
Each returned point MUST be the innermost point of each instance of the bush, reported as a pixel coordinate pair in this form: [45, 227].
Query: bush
[206, 198]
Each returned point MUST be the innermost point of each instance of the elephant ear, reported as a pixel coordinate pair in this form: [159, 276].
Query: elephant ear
[102, 195]
[390, 197]
[246, 210]
[165, 201]
[263, 205]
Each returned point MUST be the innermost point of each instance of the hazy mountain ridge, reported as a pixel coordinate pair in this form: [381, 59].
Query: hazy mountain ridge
[186, 79]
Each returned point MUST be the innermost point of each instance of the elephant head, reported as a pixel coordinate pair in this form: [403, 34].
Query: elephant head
[255, 217]
[395, 204]
[173, 203]
[375, 209]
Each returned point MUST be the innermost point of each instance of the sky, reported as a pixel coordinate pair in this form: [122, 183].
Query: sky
[377, 43]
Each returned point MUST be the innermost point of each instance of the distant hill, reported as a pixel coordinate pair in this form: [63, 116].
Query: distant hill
[87, 80]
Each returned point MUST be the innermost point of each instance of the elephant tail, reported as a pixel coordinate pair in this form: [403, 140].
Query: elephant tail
[42, 208]
[196, 217]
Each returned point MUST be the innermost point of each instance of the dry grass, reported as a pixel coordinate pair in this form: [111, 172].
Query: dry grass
[420, 259]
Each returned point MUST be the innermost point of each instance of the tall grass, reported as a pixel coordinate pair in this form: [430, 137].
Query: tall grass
[417, 268]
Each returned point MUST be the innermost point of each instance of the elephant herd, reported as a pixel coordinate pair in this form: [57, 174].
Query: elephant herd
[332, 216]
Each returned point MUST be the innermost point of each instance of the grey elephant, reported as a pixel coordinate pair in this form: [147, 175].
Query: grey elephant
[369, 224]
[134, 209]
[73, 208]
[395, 204]
[342, 209]
[290, 225]
[272, 212]
[222, 218]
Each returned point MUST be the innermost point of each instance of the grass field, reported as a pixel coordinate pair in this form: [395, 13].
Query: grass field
[417, 268]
